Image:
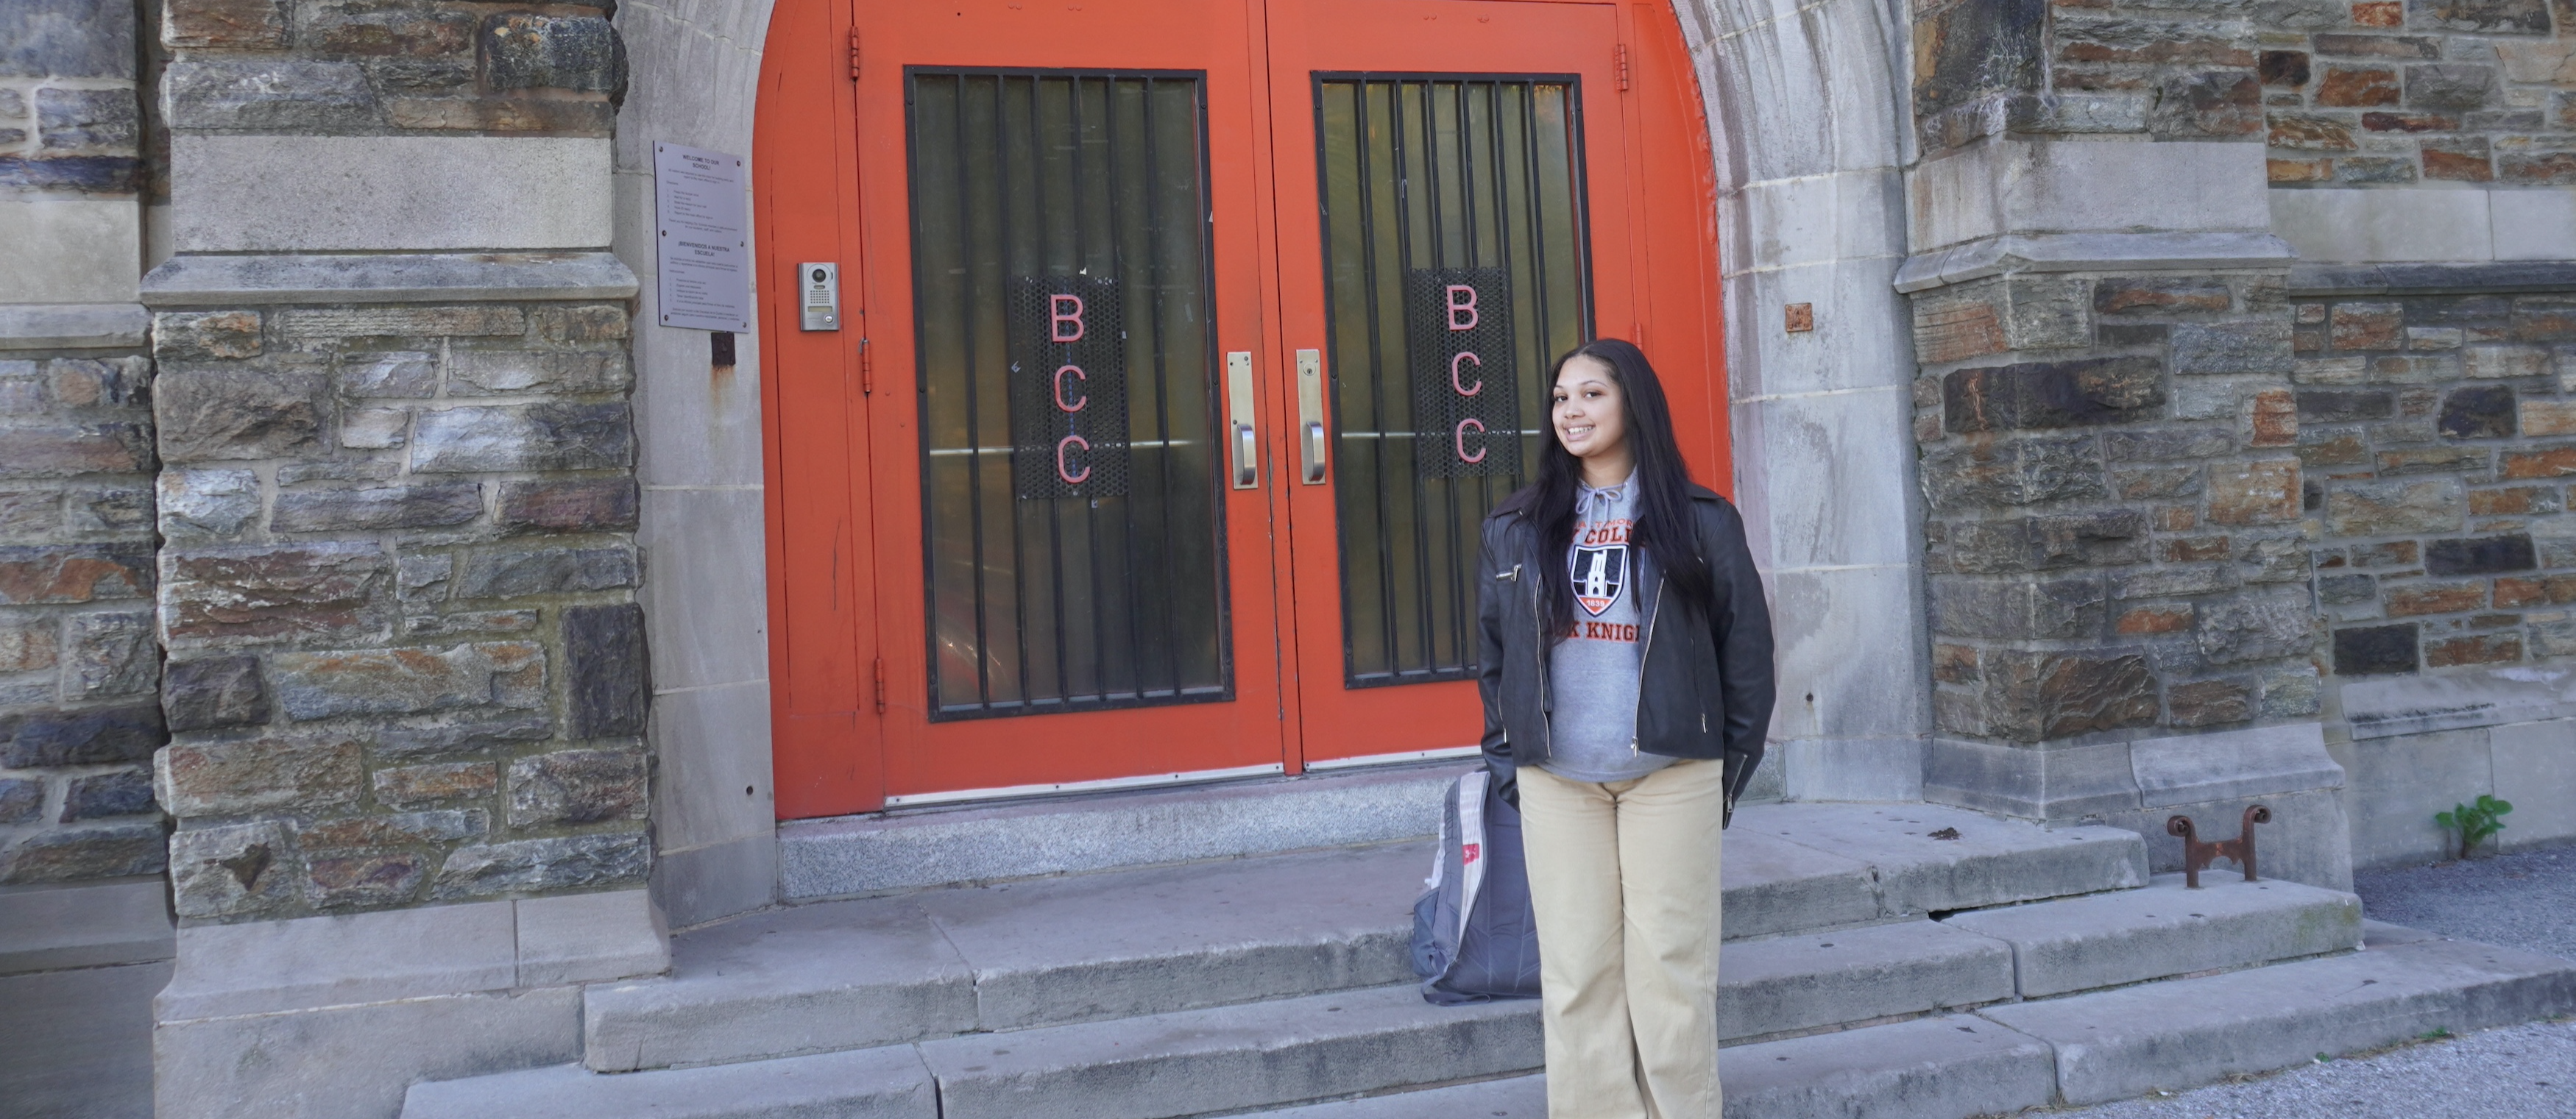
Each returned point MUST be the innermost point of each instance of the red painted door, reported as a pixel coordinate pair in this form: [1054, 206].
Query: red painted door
[1197, 339]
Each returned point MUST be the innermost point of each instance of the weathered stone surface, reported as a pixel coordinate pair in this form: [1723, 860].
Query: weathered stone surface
[2346, 405]
[2369, 326]
[579, 322]
[232, 870]
[22, 799]
[2015, 608]
[82, 854]
[2436, 598]
[235, 412]
[2206, 703]
[267, 593]
[2172, 580]
[68, 450]
[236, 24]
[416, 785]
[577, 787]
[2482, 412]
[2144, 482]
[206, 504]
[2499, 362]
[374, 429]
[330, 510]
[2254, 493]
[26, 514]
[493, 731]
[2484, 555]
[528, 51]
[577, 505]
[205, 335]
[2449, 85]
[473, 320]
[376, 879]
[214, 692]
[396, 829]
[2040, 543]
[2289, 692]
[409, 681]
[531, 437]
[28, 643]
[2374, 650]
[512, 572]
[72, 119]
[2345, 87]
[395, 373]
[2261, 347]
[2256, 629]
[74, 573]
[543, 865]
[2165, 445]
[112, 656]
[389, 32]
[2541, 462]
[109, 508]
[100, 737]
[69, 39]
[2393, 508]
[2159, 296]
[2489, 648]
[513, 372]
[2208, 104]
[2051, 394]
[260, 775]
[269, 95]
[606, 670]
[2032, 696]
[101, 795]
[86, 174]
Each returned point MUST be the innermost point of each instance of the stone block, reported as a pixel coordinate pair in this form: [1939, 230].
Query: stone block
[398, 373]
[579, 505]
[225, 24]
[507, 674]
[519, 372]
[86, 925]
[2366, 650]
[2254, 493]
[529, 437]
[205, 335]
[488, 730]
[98, 737]
[2038, 395]
[74, 119]
[2009, 609]
[883, 1083]
[214, 692]
[2172, 580]
[580, 322]
[2357, 86]
[528, 51]
[2207, 703]
[231, 870]
[2485, 555]
[576, 862]
[607, 671]
[1806, 980]
[514, 572]
[206, 503]
[372, 879]
[2535, 768]
[85, 854]
[69, 39]
[2046, 542]
[2165, 445]
[125, 792]
[2255, 629]
[68, 450]
[416, 785]
[215, 412]
[304, 774]
[374, 429]
[435, 505]
[2159, 296]
[22, 800]
[27, 514]
[274, 592]
[357, 1059]
[353, 31]
[2483, 412]
[2034, 696]
[397, 829]
[577, 787]
[273, 94]
[470, 320]
[2394, 508]
[111, 656]
[2235, 348]
[106, 508]
[2129, 936]
[457, 193]
[590, 938]
[27, 644]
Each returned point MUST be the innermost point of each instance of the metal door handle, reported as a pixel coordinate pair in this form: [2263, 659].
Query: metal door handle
[1241, 414]
[1310, 414]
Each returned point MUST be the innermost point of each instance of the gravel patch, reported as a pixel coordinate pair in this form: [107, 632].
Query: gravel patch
[2524, 900]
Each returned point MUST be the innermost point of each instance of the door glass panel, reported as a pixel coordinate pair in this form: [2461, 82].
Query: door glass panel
[1075, 554]
[1457, 263]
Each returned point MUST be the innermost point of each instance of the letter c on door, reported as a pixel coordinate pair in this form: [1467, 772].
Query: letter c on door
[1463, 390]
[1077, 404]
[1461, 439]
[1071, 478]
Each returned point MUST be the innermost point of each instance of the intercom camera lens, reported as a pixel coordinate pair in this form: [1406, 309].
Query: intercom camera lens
[818, 275]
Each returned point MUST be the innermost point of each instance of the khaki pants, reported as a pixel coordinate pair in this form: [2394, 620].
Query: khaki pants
[1624, 880]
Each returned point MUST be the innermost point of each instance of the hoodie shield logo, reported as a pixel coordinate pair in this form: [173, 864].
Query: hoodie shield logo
[1600, 575]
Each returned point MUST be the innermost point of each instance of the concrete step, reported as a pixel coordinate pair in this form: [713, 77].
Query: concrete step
[2167, 929]
[936, 963]
[889, 1083]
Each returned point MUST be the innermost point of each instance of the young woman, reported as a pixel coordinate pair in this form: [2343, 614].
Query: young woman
[1627, 687]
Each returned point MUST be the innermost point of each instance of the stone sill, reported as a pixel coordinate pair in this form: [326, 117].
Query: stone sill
[205, 280]
[2388, 707]
[2495, 278]
[73, 326]
[84, 924]
[2089, 252]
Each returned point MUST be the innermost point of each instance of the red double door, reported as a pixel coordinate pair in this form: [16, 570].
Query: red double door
[1184, 346]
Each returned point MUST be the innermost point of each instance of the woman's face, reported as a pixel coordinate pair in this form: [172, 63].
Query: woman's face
[1590, 416]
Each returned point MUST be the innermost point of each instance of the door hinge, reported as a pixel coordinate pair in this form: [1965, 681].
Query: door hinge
[881, 702]
[867, 370]
[1618, 60]
[854, 58]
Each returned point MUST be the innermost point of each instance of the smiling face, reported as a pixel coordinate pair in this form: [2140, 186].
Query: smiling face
[1589, 412]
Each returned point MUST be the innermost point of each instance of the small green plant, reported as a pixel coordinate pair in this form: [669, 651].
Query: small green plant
[2474, 822]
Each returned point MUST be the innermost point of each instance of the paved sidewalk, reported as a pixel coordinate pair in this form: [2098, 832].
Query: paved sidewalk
[2525, 900]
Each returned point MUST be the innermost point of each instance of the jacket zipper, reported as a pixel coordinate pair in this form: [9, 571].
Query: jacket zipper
[1644, 651]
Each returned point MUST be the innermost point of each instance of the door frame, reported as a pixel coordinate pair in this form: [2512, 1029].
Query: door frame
[822, 392]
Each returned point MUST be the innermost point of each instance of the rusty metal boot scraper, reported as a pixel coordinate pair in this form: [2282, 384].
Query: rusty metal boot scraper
[2196, 855]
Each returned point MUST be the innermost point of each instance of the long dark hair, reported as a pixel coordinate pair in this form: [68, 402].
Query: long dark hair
[1664, 529]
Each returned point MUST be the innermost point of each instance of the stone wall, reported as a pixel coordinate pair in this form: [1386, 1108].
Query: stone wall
[2090, 68]
[2114, 532]
[397, 593]
[2388, 93]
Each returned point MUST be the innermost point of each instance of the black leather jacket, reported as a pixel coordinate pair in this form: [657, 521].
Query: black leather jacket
[1706, 688]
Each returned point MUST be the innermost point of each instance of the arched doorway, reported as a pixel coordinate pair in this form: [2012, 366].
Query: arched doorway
[1182, 347]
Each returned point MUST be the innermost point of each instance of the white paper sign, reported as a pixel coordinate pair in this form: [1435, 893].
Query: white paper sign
[702, 242]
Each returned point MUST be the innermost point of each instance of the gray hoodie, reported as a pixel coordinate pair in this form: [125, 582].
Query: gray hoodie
[1592, 675]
